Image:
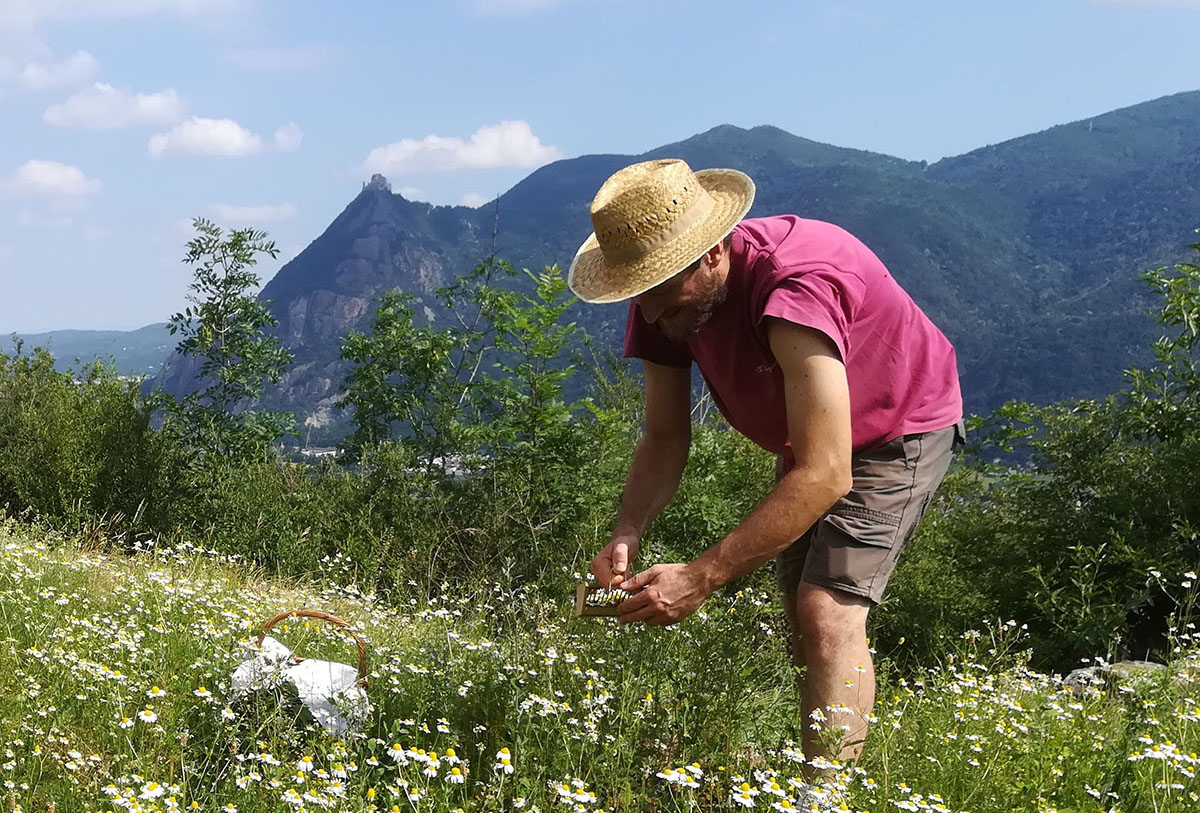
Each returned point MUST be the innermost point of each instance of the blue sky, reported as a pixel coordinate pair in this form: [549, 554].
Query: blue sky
[122, 119]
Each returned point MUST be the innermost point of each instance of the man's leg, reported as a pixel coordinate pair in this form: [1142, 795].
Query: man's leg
[839, 673]
[837, 571]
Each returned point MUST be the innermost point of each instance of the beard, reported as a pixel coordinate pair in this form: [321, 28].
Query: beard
[687, 323]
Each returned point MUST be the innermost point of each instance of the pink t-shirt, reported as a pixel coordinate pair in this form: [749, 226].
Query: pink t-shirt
[901, 369]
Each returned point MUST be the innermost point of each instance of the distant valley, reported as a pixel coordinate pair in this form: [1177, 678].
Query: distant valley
[140, 352]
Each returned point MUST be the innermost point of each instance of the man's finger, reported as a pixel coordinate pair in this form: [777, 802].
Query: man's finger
[633, 604]
[640, 580]
[620, 560]
[649, 614]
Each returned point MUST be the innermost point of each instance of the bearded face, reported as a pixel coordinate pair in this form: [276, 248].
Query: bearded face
[682, 304]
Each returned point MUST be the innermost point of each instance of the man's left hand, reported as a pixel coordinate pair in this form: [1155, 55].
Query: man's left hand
[664, 594]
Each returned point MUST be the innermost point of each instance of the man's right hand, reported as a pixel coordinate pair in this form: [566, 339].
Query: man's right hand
[611, 565]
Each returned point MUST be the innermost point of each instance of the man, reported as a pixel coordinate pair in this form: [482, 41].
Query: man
[812, 350]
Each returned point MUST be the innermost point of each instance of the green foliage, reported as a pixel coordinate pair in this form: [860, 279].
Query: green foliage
[726, 477]
[224, 331]
[398, 381]
[521, 401]
[1069, 541]
[76, 447]
[469, 427]
[491, 383]
[1163, 401]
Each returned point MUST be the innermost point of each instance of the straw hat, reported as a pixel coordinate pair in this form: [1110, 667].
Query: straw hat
[651, 221]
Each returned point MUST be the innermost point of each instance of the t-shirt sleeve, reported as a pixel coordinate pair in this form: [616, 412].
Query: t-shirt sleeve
[645, 341]
[821, 297]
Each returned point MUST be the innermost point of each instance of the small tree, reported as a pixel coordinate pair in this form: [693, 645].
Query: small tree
[1164, 400]
[224, 329]
[402, 378]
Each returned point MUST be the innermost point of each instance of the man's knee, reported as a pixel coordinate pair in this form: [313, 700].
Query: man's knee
[828, 620]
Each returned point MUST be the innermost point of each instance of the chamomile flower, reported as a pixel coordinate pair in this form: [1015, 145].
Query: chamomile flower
[744, 799]
[151, 790]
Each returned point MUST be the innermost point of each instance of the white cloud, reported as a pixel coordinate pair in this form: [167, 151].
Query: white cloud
[411, 193]
[205, 137]
[104, 107]
[507, 144]
[51, 179]
[473, 199]
[253, 214]
[277, 60]
[288, 137]
[22, 21]
[75, 70]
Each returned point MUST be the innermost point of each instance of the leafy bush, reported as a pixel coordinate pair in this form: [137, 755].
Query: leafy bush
[471, 447]
[77, 448]
[1068, 540]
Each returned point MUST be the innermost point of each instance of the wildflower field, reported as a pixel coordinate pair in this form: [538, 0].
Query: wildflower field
[115, 671]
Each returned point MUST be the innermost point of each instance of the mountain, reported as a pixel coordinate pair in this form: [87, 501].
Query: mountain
[1023, 252]
[138, 352]
[1106, 198]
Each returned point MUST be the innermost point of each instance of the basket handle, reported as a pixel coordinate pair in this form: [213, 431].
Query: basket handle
[323, 616]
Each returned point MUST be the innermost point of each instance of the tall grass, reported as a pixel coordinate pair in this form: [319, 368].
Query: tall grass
[117, 697]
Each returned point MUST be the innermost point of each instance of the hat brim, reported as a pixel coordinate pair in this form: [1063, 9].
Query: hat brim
[596, 281]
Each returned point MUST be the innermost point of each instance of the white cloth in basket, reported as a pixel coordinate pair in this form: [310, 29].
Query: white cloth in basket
[329, 690]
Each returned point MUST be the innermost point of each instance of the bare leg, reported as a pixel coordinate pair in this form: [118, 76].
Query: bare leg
[832, 633]
[796, 640]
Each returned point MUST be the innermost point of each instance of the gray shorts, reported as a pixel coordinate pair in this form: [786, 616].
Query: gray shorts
[855, 545]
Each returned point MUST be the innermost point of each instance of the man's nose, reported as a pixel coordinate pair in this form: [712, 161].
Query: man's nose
[650, 309]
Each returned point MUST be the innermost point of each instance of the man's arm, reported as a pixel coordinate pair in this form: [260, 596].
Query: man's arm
[656, 468]
[818, 415]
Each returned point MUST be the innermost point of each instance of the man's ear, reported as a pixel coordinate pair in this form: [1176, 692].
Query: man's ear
[713, 257]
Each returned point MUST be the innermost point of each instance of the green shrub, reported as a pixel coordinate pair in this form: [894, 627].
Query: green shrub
[1067, 540]
[77, 447]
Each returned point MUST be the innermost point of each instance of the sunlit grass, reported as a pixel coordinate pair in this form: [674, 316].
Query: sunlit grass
[115, 673]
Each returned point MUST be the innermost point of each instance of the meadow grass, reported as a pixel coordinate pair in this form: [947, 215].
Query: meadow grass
[115, 672]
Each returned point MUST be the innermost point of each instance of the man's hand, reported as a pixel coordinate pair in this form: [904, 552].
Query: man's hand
[611, 565]
[668, 594]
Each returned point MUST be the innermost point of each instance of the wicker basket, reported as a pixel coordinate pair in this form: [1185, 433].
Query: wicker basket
[332, 619]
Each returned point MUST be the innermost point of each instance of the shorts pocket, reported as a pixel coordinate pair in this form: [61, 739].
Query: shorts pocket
[849, 552]
[865, 525]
